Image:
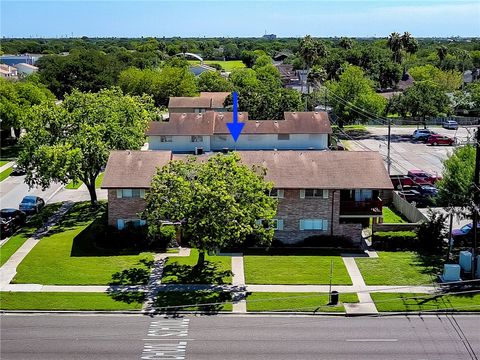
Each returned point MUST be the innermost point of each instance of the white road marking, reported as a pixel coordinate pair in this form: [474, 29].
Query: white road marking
[371, 340]
[172, 335]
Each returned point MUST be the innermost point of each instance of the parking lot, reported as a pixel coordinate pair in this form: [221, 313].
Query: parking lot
[406, 153]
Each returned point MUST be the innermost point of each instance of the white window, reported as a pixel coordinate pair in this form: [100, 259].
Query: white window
[276, 193]
[314, 224]
[277, 224]
[362, 195]
[309, 193]
[197, 138]
[166, 138]
[283, 136]
[130, 193]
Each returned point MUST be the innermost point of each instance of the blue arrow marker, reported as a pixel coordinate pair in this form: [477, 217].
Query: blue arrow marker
[235, 127]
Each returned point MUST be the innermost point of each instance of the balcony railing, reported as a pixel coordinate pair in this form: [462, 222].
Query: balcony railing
[364, 207]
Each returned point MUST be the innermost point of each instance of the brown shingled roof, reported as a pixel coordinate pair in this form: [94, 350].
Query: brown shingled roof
[210, 123]
[218, 98]
[318, 169]
[184, 124]
[190, 102]
[133, 169]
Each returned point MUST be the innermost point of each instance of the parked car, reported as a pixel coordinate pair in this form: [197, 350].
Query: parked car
[450, 124]
[401, 181]
[31, 204]
[17, 170]
[11, 220]
[422, 134]
[440, 140]
[420, 177]
[464, 235]
[427, 190]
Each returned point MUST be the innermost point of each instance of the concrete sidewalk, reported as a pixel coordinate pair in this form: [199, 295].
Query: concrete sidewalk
[238, 280]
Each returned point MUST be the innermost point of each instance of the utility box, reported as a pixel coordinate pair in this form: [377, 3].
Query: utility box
[451, 272]
[465, 261]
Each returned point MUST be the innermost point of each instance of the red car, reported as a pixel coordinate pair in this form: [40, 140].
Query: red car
[440, 140]
[420, 177]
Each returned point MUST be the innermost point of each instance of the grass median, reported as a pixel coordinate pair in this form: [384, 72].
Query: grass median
[202, 300]
[65, 301]
[71, 254]
[298, 301]
[401, 302]
[296, 266]
[6, 173]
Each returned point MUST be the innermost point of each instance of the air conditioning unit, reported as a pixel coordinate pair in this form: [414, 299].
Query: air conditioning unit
[198, 150]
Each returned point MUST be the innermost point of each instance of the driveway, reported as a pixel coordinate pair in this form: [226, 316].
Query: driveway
[405, 153]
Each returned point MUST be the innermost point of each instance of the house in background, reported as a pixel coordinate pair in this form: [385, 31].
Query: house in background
[26, 69]
[190, 132]
[8, 72]
[319, 192]
[12, 60]
[207, 101]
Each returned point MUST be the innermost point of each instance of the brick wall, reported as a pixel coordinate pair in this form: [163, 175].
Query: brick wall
[123, 208]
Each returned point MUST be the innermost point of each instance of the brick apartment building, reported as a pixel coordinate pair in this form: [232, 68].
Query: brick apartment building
[319, 192]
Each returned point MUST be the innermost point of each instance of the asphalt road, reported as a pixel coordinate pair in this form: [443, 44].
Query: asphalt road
[407, 154]
[13, 189]
[234, 337]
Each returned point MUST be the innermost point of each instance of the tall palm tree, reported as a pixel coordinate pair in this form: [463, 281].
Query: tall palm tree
[409, 43]
[395, 44]
[311, 50]
[346, 43]
[442, 52]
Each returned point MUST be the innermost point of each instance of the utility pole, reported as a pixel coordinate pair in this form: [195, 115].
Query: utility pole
[476, 197]
[389, 160]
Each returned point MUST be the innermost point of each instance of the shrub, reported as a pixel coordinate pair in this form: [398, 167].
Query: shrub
[431, 233]
[327, 241]
[395, 240]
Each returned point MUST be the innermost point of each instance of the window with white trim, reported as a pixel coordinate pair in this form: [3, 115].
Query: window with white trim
[130, 193]
[276, 224]
[313, 193]
[196, 138]
[276, 193]
[314, 224]
[166, 138]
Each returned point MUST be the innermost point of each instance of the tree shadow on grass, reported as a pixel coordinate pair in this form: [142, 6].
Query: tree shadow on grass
[134, 276]
[432, 264]
[206, 301]
[211, 273]
[126, 295]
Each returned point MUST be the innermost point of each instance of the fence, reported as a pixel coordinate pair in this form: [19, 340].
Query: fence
[407, 209]
[461, 120]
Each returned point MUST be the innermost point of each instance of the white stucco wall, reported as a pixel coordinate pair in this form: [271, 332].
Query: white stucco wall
[178, 144]
[269, 142]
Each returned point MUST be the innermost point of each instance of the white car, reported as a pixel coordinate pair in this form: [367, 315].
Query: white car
[450, 124]
[422, 134]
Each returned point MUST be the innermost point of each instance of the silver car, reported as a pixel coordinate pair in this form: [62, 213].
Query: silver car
[450, 124]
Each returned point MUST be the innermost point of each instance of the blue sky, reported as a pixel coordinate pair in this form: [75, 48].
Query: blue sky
[238, 18]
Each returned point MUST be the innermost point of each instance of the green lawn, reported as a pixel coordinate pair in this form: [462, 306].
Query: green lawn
[17, 240]
[425, 302]
[300, 301]
[391, 216]
[226, 65]
[6, 173]
[295, 267]
[178, 301]
[75, 185]
[63, 301]
[180, 270]
[396, 268]
[3, 162]
[71, 255]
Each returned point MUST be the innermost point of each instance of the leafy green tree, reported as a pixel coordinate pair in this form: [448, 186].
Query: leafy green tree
[72, 141]
[213, 81]
[442, 52]
[16, 100]
[455, 187]
[446, 80]
[353, 96]
[218, 203]
[431, 233]
[423, 99]
[345, 43]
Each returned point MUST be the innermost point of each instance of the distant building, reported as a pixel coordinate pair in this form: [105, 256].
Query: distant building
[207, 101]
[269, 36]
[26, 69]
[8, 72]
[470, 76]
[198, 69]
[12, 60]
